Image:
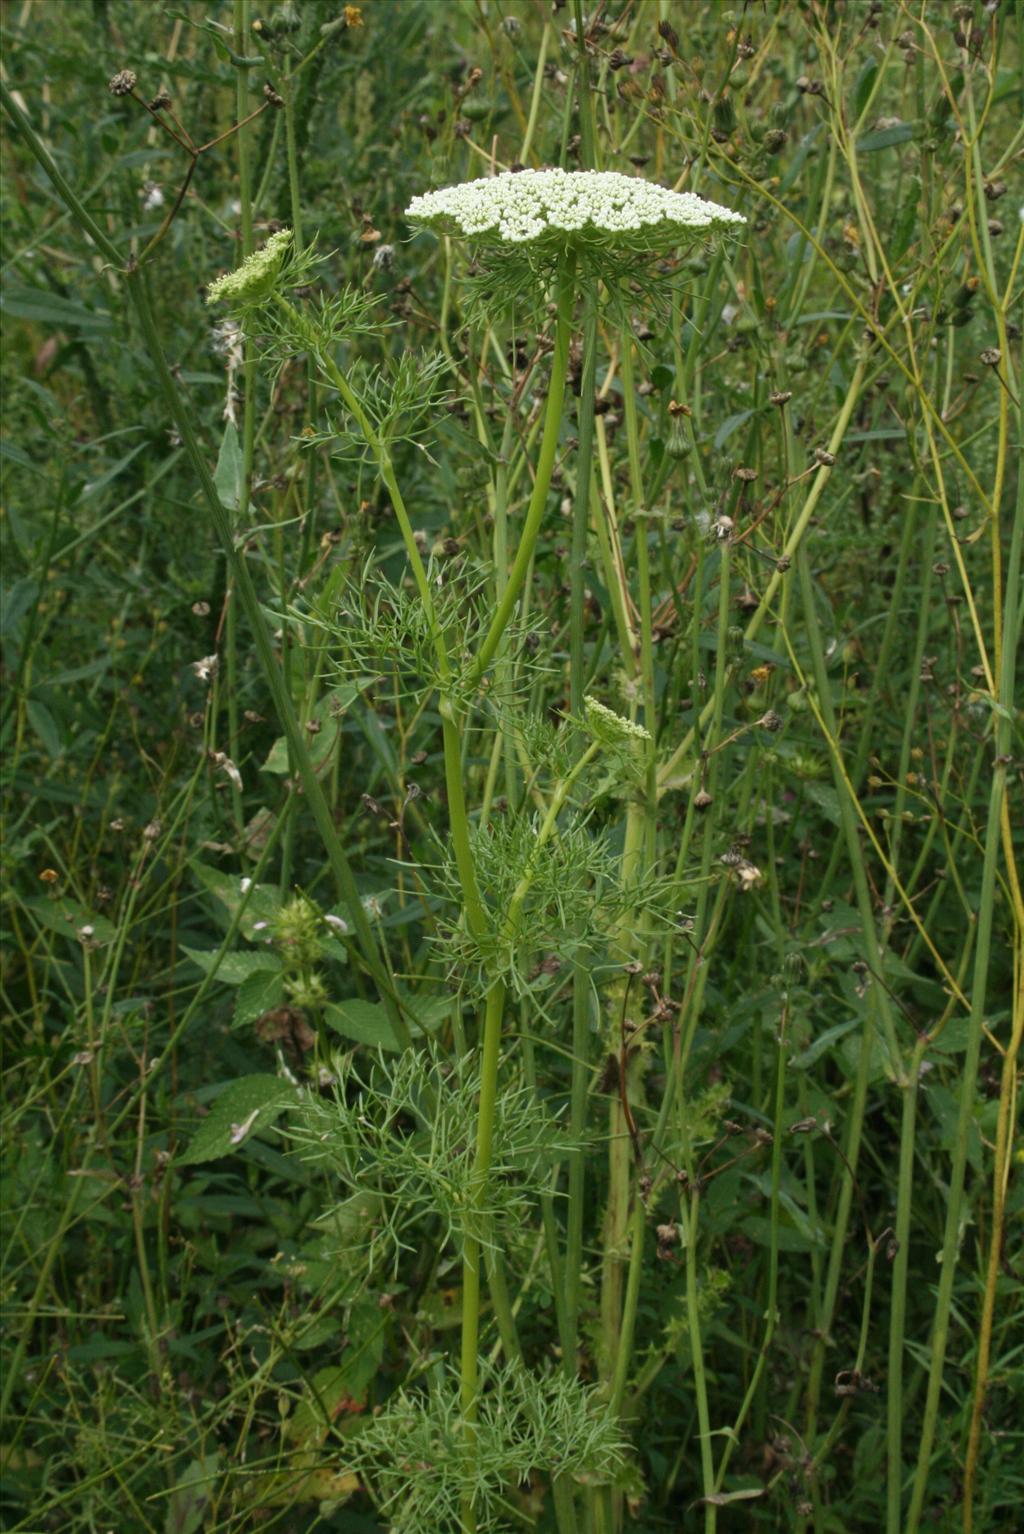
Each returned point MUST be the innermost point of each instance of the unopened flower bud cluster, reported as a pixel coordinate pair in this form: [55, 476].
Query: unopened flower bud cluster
[255, 278]
[610, 729]
[526, 205]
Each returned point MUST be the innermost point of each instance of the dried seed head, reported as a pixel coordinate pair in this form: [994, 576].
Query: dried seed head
[781, 398]
[702, 800]
[746, 475]
[771, 721]
[123, 83]
[272, 97]
[991, 356]
[160, 101]
[823, 457]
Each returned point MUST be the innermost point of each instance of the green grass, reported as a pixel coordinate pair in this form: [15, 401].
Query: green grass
[427, 1104]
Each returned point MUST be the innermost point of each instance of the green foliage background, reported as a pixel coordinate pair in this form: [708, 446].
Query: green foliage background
[200, 1322]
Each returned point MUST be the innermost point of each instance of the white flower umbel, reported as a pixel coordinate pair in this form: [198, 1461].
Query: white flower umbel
[536, 205]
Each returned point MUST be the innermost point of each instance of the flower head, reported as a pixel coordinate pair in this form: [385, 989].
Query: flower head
[530, 206]
[254, 280]
[610, 729]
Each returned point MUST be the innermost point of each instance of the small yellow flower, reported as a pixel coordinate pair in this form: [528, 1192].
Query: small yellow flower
[353, 16]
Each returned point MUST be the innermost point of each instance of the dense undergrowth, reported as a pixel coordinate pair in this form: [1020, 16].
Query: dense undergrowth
[489, 1043]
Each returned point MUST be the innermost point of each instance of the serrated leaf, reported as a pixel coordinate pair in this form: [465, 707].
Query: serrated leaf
[233, 968]
[249, 1106]
[258, 993]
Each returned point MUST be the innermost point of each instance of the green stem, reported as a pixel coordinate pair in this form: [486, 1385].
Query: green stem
[700, 1384]
[967, 1086]
[898, 1309]
[493, 1014]
[542, 482]
[643, 565]
[624, 1357]
[581, 982]
[241, 21]
[877, 1000]
[792, 544]
[471, 1250]
[535, 99]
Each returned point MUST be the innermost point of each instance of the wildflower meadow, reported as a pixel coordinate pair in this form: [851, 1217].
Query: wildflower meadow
[512, 917]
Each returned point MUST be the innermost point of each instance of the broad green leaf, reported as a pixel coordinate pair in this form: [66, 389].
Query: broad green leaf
[258, 993]
[230, 471]
[906, 223]
[862, 90]
[365, 1022]
[233, 968]
[45, 726]
[827, 800]
[261, 900]
[327, 714]
[822, 1044]
[759, 1230]
[885, 138]
[17, 599]
[69, 917]
[249, 1105]
[191, 1497]
[50, 309]
[347, 1381]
